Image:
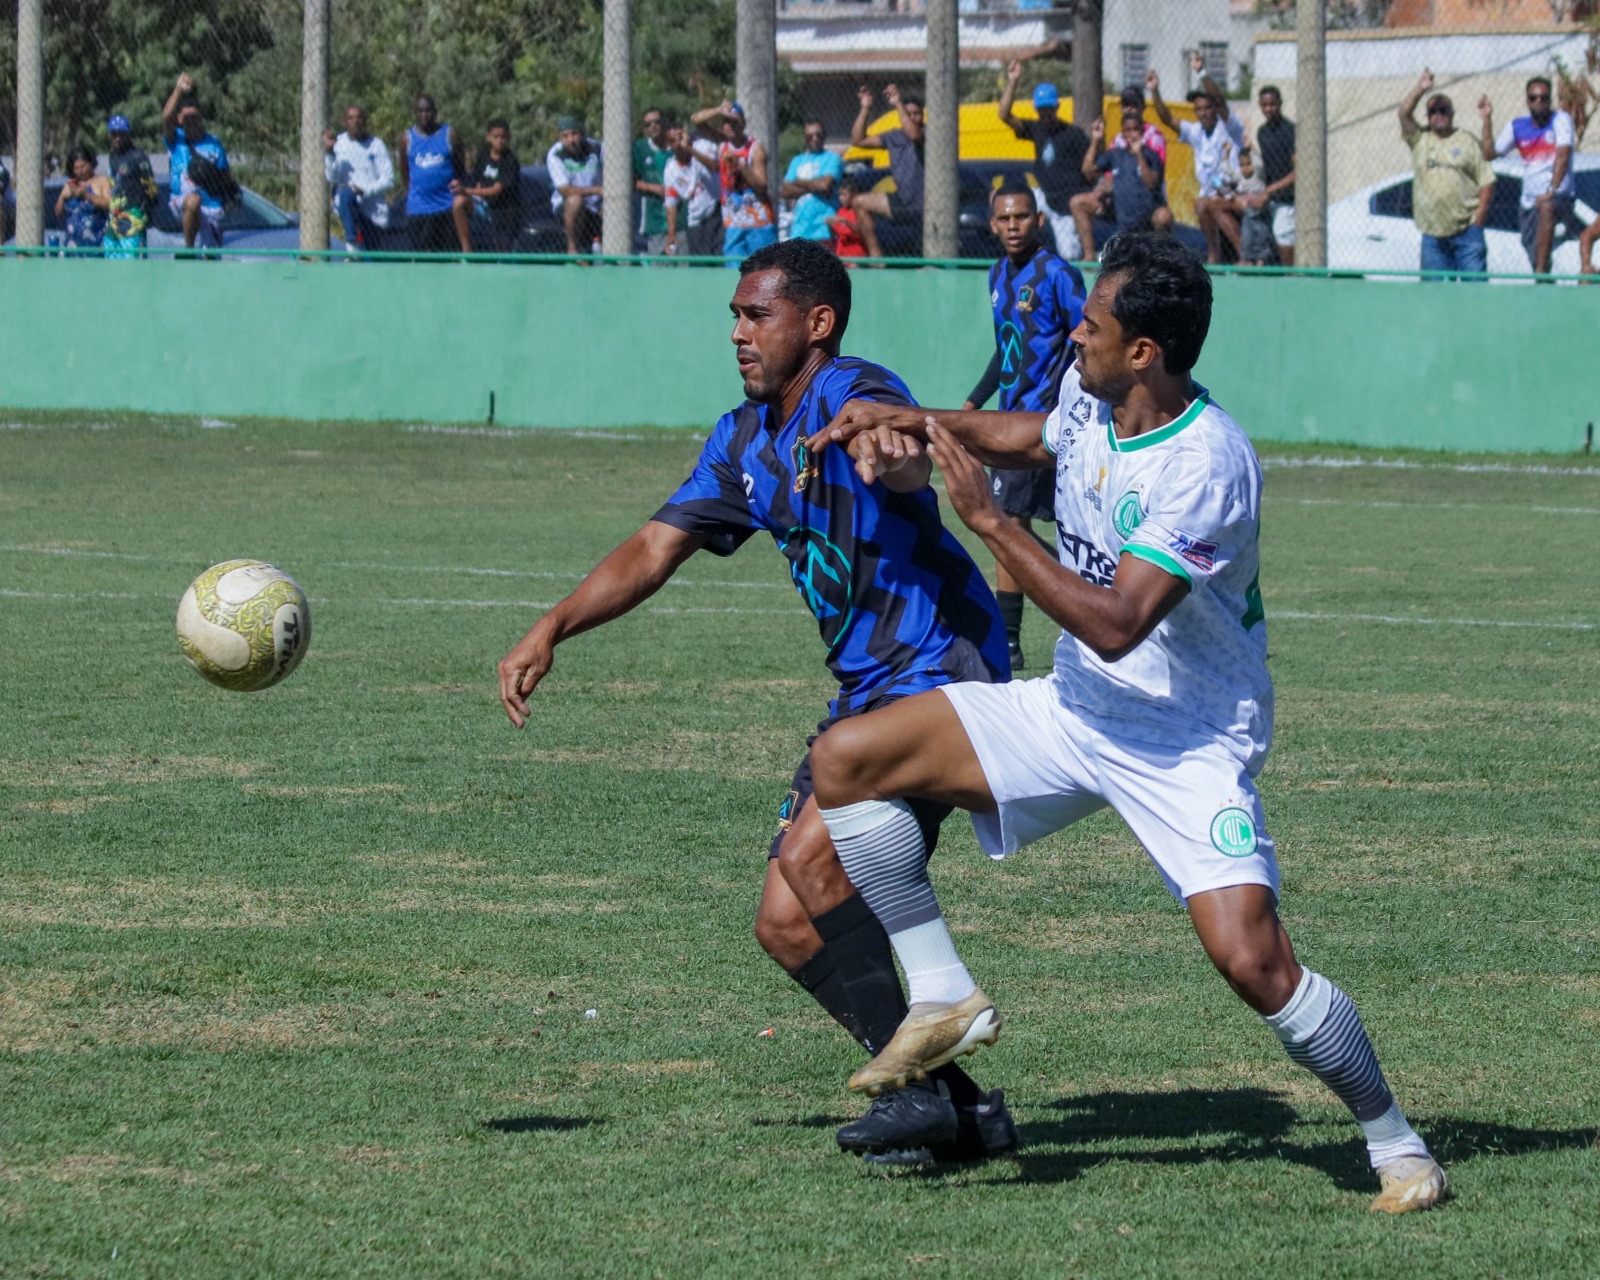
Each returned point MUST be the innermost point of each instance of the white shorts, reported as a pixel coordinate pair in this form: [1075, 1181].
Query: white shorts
[1283, 224]
[1196, 811]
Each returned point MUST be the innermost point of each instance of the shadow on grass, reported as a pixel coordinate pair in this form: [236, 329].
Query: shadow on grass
[539, 1124]
[1253, 1124]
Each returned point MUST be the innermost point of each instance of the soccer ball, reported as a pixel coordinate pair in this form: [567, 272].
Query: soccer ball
[244, 625]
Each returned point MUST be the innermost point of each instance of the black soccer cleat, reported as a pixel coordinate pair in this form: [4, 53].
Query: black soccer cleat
[983, 1132]
[919, 1116]
[1018, 662]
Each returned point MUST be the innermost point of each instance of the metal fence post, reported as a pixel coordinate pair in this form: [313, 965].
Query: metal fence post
[616, 134]
[942, 116]
[1087, 79]
[313, 120]
[755, 79]
[1311, 135]
[30, 123]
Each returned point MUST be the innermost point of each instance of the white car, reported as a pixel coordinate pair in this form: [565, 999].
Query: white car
[1372, 230]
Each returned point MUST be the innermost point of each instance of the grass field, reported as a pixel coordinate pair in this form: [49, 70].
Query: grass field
[295, 984]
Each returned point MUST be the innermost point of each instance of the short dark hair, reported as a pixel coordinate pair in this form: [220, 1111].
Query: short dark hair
[812, 276]
[1544, 80]
[1012, 187]
[856, 182]
[1269, 88]
[1164, 295]
[499, 122]
[1133, 96]
[911, 100]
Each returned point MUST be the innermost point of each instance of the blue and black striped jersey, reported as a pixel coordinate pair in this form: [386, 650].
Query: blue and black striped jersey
[900, 604]
[1035, 306]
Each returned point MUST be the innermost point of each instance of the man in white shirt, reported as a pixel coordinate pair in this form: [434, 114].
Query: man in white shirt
[1216, 136]
[577, 183]
[694, 215]
[1159, 707]
[1544, 138]
[361, 174]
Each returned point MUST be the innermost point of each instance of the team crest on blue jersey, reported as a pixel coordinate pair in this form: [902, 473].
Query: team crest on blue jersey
[1025, 299]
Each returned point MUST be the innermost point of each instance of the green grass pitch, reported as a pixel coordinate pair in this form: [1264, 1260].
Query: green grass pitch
[295, 983]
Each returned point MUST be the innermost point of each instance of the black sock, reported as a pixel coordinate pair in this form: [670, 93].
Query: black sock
[820, 976]
[865, 962]
[1010, 603]
[858, 950]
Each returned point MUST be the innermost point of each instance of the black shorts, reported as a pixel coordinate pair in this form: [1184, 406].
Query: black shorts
[900, 211]
[433, 232]
[1030, 495]
[928, 814]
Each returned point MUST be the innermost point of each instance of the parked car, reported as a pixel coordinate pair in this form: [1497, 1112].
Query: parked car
[1372, 229]
[541, 230]
[254, 223]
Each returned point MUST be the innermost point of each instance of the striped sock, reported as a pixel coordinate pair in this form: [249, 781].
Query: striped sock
[881, 849]
[1321, 1030]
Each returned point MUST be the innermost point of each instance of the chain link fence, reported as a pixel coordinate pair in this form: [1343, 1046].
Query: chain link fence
[505, 101]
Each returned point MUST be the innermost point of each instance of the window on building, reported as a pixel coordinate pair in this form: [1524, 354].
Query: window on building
[1215, 55]
[1135, 62]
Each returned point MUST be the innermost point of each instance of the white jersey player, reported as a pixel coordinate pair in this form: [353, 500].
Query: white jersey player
[1159, 705]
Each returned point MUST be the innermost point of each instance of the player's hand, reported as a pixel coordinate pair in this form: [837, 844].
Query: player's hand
[965, 481]
[1485, 107]
[868, 415]
[882, 451]
[520, 672]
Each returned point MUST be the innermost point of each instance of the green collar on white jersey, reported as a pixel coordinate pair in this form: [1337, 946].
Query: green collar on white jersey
[1197, 406]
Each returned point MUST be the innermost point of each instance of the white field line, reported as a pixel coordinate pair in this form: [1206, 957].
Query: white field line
[1431, 506]
[1299, 616]
[1401, 464]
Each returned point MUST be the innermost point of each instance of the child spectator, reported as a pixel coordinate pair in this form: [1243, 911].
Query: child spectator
[1256, 245]
[845, 223]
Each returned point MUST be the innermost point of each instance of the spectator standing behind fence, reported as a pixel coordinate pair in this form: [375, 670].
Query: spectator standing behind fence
[905, 148]
[812, 182]
[1132, 175]
[650, 156]
[748, 221]
[495, 189]
[691, 200]
[432, 162]
[358, 168]
[84, 202]
[1216, 136]
[1058, 151]
[1544, 138]
[576, 165]
[1452, 187]
[1275, 147]
[197, 166]
[133, 193]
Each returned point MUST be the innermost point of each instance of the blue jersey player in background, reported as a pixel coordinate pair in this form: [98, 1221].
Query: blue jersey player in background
[901, 608]
[1038, 301]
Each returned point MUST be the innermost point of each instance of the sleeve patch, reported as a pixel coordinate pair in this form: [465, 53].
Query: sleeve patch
[1197, 551]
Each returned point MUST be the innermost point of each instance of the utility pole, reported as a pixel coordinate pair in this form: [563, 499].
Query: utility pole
[30, 123]
[1311, 135]
[1088, 91]
[942, 120]
[313, 120]
[616, 135]
[755, 79]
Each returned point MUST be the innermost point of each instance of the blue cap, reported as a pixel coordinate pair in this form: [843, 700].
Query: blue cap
[734, 109]
[1046, 96]
[118, 124]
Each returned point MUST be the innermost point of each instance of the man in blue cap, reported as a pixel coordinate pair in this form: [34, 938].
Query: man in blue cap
[1058, 149]
[133, 193]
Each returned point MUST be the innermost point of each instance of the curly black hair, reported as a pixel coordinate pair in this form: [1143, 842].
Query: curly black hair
[1164, 294]
[812, 276]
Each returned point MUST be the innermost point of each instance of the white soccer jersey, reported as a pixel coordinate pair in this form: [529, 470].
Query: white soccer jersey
[1186, 497]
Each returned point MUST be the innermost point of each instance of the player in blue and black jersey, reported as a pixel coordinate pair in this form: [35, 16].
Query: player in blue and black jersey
[1038, 301]
[901, 608]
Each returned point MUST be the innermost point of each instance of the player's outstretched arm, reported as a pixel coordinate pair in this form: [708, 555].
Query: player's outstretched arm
[1111, 620]
[1014, 440]
[626, 578]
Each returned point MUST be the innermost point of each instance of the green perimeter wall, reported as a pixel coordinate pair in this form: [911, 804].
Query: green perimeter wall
[1393, 364]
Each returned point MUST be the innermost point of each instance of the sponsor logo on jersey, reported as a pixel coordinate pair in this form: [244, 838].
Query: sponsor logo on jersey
[1080, 411]
[821, 574]
[1233, 833]
[1092, 494]
[1010, 355]
[1127, 515]
[1092, 564]
[1197, 551]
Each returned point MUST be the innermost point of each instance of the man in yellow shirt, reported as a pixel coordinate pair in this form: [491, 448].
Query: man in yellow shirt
[1453, 184]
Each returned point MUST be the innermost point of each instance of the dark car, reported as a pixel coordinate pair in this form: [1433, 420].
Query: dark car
[539, 229]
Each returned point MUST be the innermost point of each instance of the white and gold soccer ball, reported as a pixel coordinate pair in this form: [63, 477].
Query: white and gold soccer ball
[244, 625]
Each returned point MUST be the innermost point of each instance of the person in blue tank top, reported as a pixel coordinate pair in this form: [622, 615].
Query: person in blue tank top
[900, 607]
[433, 162]
[1038, 300]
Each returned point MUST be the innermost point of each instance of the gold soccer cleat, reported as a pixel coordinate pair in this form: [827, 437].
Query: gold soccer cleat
[931, 1035]
[1410, 1183]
